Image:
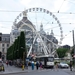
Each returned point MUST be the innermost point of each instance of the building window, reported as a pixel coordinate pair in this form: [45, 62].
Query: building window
[13, 33]
[2, 50]
[0, 39]
[5, 39]
[2, 45]
[7, 45]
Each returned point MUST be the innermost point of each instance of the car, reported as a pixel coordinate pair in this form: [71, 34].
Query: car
[63, 65]
[1, 66]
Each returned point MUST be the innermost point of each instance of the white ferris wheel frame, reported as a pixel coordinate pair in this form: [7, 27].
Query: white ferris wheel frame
[38, 34]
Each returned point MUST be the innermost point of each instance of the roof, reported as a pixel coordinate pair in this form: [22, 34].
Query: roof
[50, 37]
[25, 20]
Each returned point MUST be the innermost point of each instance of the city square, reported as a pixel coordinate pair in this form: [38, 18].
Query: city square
[39, 40]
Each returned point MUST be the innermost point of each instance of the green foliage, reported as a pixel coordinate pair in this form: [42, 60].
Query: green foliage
[21, 44]
[72, 52]
[10, 55]
[61, 52]
[17, 54]
[16, 50]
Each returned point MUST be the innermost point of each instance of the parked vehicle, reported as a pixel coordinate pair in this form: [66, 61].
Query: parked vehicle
[1, 66]
[63, 65]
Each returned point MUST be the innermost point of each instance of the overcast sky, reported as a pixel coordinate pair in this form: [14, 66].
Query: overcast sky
[66, 14]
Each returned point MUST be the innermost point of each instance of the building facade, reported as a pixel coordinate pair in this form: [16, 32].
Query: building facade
[29, 29]
[27, 26]
[4, 44]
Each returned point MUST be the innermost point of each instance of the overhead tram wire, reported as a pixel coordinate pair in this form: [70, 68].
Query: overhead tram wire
[9, 11]
[68, 33]
[6, 21]
[43, 23]
[71, 2]
[39, 12]
[51, 28]
[64, 12]
[61, 6]
[59, 10]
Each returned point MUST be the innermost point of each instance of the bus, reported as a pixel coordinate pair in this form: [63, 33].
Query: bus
[47, 61]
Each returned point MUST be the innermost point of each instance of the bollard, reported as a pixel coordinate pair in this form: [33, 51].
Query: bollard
[22, 67]
[2, 68]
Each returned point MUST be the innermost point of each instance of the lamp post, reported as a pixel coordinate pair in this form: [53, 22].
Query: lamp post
[74, 47]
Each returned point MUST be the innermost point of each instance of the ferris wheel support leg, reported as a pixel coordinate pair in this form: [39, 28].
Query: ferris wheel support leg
[31, 46]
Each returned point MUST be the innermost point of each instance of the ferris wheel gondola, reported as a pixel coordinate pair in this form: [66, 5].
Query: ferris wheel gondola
[45, 19]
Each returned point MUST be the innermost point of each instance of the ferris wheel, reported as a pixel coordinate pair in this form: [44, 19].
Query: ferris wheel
[44, 21]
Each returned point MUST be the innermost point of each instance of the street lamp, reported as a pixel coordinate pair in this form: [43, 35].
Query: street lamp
[74, 47]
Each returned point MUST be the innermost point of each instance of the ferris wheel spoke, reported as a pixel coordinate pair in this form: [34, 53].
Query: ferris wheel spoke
[52, 27]
[49, 21]
[42, 18]
[36, 18]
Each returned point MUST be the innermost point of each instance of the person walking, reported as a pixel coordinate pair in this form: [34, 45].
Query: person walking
[7, 63]
[26, 64]
[32, 65]
[40, 65]
[37, 65]
[56, 66]
[70, 65]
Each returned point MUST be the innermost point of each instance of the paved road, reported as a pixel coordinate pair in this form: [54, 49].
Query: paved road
[12, 70]
[69, 72]
[43, 72]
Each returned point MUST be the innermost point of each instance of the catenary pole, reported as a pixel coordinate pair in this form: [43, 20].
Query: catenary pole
[74, 47]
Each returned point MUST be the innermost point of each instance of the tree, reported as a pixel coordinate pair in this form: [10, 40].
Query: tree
[61, 52]
[22, 45]
[10, 55]
[17, 53]
[18, 49]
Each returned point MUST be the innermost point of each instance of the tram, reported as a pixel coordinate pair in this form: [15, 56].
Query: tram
[47, 61]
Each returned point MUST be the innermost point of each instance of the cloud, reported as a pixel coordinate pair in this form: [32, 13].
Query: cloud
[51, 5]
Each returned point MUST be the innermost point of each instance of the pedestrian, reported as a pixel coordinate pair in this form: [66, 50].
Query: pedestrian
[40, 65]
[7, 63]
[37, 65]
[56, 66]
[70, 65]
[26, 64]
[32, 65]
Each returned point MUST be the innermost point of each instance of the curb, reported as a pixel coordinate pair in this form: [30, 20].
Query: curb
[19, 72]
[13, 73]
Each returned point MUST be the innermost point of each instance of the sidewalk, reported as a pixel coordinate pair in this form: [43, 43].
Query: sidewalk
[13, 69]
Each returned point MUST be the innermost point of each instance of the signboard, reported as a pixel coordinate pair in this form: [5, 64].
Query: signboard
[38, 40]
